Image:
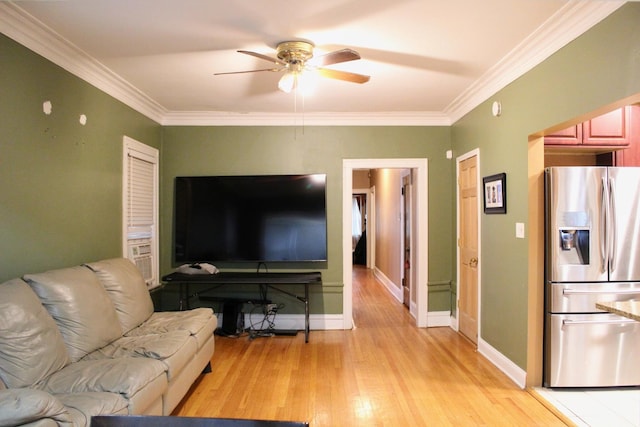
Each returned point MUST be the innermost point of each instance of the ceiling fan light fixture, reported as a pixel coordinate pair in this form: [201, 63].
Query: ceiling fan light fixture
[304, 82]
[287, 82]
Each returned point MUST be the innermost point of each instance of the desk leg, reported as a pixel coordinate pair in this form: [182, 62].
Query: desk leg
[180, 291]
[183, 297]
[306, 312]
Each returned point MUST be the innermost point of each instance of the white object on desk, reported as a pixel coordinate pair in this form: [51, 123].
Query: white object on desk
[197, 268]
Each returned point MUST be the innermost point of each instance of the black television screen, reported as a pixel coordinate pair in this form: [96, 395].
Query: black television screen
[259, 218]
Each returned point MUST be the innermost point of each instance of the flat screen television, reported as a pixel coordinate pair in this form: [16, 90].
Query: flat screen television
[258, 218]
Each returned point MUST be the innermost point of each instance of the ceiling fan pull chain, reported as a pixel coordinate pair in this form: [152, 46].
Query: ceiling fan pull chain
[295, 112]
[303, 111]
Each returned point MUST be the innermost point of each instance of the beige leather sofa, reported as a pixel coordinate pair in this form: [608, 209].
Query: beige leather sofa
[85, 340]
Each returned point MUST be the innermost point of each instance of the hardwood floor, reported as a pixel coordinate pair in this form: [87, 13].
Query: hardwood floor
[385, 372]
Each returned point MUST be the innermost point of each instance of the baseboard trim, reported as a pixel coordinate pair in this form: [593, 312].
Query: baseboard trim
[317, 322]
[393, 289]
[510, 369]
[438, 319]
[329, 322]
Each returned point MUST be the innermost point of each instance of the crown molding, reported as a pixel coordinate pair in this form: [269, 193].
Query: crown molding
[573, 19]
[209, 118]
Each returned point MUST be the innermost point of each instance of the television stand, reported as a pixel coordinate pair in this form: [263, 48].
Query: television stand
[273, 281]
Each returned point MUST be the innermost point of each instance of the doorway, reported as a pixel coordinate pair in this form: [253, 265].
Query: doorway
[363, 250]
[420, 234]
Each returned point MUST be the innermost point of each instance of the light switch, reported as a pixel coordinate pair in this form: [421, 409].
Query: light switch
[520, 230]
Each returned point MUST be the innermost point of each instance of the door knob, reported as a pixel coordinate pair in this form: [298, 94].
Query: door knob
[473, 262]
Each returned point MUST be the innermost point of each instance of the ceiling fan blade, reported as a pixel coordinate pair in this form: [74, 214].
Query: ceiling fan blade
[249, 71]
[343, 75]
[335, 57]
[265, 57]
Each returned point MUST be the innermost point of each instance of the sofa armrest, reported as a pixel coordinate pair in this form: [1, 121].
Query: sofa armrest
[22, 405]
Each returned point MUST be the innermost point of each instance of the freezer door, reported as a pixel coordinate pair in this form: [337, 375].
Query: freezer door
[591, 350]
[624, 228]
[575, 224]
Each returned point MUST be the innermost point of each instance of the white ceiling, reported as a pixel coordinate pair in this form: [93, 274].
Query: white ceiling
[430, 61]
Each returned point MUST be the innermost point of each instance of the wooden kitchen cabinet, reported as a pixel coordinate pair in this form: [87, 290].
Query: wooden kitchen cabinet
[630, 156]
[609, 130]
[569, 136]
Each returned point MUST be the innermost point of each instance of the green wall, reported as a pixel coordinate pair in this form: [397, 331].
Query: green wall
[60, 181]
[268, 150]
[597, 69]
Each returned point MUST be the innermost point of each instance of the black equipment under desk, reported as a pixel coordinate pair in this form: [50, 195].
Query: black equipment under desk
[246, 278]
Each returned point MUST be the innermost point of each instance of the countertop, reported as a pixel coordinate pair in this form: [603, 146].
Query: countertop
[629, 309]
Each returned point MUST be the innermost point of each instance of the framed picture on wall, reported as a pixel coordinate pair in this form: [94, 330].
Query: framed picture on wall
[495, 194]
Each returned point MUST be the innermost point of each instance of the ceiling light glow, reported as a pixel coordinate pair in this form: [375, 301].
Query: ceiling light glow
[304, 82]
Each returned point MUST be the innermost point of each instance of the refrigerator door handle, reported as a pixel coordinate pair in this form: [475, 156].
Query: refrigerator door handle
[612, 230]
[569, 291]
[621, 321]
[604, 210]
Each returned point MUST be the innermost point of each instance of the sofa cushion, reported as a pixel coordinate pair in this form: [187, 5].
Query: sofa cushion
[83, 406]
[200, 322]
[31, 346]
[152, 346]
[80, 306]
[126, 376]
[165, 321]
[126, 288]
[175, 349]
[22, 405]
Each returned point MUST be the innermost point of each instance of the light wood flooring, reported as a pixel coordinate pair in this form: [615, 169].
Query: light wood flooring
[385, 372]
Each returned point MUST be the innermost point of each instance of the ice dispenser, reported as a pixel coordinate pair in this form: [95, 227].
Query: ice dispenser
[573, 234]
[568, 239]
[574, 245]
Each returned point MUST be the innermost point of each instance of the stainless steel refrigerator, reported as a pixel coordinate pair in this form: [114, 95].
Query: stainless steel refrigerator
[592, 238]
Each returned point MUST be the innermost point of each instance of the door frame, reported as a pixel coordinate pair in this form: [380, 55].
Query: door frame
[479, 198]
[421, 233]
[407, 200]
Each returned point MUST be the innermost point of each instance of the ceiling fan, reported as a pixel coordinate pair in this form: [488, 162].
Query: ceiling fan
[296, 60]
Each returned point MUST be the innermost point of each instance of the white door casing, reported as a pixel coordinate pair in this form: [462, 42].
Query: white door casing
[421, 232]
